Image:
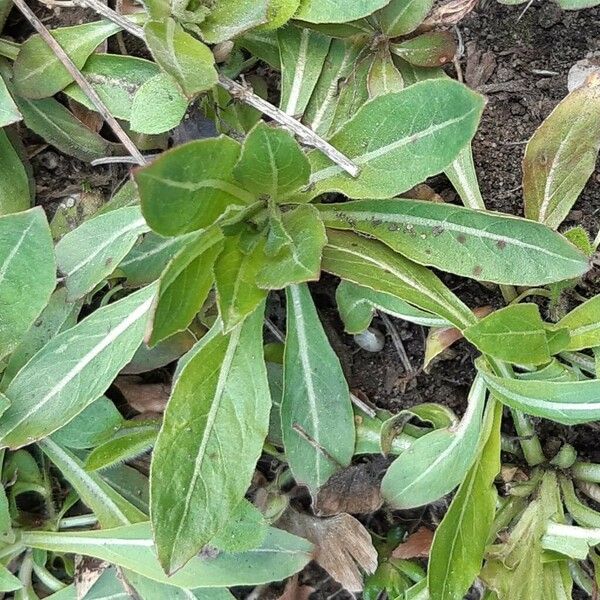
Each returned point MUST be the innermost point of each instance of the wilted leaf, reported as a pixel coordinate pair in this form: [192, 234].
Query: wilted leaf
[561, 155]
[294, 591]
[343, 546]
[143, 397]
[416, 545]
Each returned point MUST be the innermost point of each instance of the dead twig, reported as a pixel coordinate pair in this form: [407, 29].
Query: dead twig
[391, 329]
[240, 92]
[81, 80]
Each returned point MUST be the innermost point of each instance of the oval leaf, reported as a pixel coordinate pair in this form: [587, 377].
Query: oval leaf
[583, 324]
[400, 139]
[331, 11]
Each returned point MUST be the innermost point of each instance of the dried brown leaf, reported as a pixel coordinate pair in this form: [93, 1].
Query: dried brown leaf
[87, 572]
[143, 397]
[450, 13]
[294, 591]
[343, 546]
[353, 490]
[417, 545]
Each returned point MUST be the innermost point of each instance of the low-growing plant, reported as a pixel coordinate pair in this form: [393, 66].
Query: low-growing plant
[184, 264]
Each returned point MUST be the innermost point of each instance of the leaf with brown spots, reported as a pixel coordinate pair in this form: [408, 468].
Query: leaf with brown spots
[463, 241]
[343, 547]
[417, 545]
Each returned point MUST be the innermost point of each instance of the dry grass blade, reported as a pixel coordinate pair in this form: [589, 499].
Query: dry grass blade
[448, 14]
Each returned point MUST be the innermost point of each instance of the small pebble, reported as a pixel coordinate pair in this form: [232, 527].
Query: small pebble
[371, 340]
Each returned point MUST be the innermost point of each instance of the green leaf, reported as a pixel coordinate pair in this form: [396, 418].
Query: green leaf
[230, 18]
[581, 513]
[27, 273]
[130, 484]
[485, 245]
[236, 273]
[330, 11]
[567, 402]
[437, 462]
[38, 72]
[303, 52]
[462, 175]
[50, 391]
[400, 139]
[53, 122]
[384, 77]
[280, 556]
[583, 324]
[9, 113]
[561, 156]
[181, 55]
[109, 507]
[213, 430]
[430, 49]
[262, 44]
[58, 316]
[299, 259]
[371, 264]
[148, 589]
[147, 259]
[338, 68]
[15, 194]
[116, 79]
[356, 305]
[245, 530]
[158, 105]
[132, 440]
[8, 582]
[189, 187]
[459, 543]
[400, 17]
[94, 425]
[271, 163]
[514, 334]
[91, 252]
[316, 412]
[184, 284]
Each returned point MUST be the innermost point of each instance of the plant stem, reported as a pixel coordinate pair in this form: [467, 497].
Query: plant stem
[586, 471]
[531, 292]
[9, 49]
[83, 83]
[240, 92]
[79, 521]
[47, 579]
